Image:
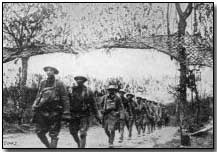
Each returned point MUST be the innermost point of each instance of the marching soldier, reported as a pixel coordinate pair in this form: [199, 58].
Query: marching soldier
[146, 122]
[152, 115]
[165, 116]
[139, 115]
[50, 106]
[156, 114]
[159, 115]
[112, 107]
[132, 106]
[127, 111]
[82, 105]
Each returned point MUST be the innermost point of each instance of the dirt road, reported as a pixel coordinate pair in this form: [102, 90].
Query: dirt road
[96, 138]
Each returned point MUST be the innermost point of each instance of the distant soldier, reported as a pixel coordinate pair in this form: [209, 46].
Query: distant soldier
[157, 112]
[153, 116]
[82, 105]
[159, 116]
[139, 114]
[127, 111]
[131, 119]
[112, 107]
[50, 106]
[146, 112]
[165, 117]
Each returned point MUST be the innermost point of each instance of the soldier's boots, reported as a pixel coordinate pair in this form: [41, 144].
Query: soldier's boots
[110, 142]
[44, 139]
[130, 133]
[53, 143]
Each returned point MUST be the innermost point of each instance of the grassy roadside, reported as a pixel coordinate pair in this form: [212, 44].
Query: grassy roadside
[205, 141]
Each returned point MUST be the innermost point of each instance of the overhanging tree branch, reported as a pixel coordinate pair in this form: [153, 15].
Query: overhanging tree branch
[188, 10]
[179, 10]
[131, 45]
[10, 54]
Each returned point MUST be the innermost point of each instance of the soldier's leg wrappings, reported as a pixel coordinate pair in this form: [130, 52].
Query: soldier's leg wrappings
[107, 132]
[130, 128]
[83, 135]
[53, 143]
[54, 130]
[83, 131]
[122, 124]
[144, 128]
[74, 128]
[41, 129]
[112, 136]
[43, 139]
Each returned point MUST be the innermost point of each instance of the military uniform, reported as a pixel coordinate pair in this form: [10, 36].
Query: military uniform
[50, 106]
[127, 112]
[146, 113]
[112, 107]
[152, 115]
[82, 105]
[130, 121]
[139, 115]
[159, 116]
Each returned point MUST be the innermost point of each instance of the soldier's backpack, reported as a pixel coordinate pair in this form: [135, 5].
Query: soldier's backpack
[109, 104]
[46, 96]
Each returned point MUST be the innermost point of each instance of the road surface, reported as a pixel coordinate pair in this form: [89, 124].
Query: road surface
[96, 138]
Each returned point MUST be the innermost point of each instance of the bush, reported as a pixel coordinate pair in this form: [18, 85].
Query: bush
[14, 110]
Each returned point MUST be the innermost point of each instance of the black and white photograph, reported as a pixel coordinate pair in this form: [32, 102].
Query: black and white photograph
[118, 75]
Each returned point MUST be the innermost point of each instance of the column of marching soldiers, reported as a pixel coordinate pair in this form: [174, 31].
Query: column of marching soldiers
[114, 110]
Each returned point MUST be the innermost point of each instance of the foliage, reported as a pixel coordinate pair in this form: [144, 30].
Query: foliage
[23, 22]
[136, 25]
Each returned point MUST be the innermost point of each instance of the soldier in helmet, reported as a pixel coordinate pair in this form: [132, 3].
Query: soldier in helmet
[112, 107]
[131, 119]
[146, 122]
[50, 106]
[150, 115]
[139, 114]
[82, 105]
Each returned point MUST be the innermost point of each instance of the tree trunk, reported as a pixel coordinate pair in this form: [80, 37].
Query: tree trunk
[183, 72]
[24, 70]
[168, 29]
[22, 101]
[183, 66]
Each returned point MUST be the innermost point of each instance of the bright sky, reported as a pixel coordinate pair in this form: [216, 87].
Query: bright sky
[127, 63]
